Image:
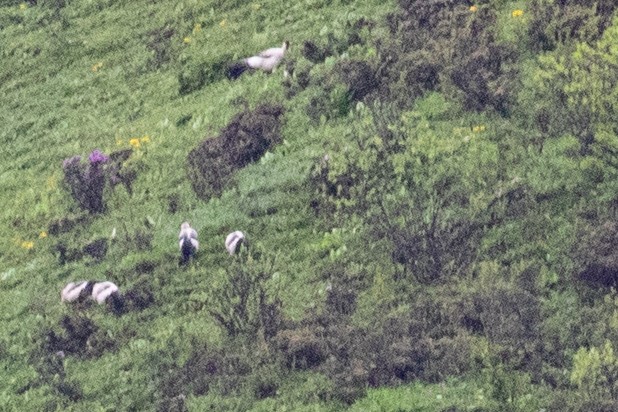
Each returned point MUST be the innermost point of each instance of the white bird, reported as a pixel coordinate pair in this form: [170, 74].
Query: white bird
[101, 291]
[187, 242]
[234, 240]
[107, 292]
[266, 60]
[76, 291]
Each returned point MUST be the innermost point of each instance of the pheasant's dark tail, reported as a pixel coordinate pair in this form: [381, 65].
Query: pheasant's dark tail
[236, 69]
[186, 250]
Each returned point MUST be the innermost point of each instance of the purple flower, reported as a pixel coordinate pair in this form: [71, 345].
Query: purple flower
[71, 162]
[97, 157]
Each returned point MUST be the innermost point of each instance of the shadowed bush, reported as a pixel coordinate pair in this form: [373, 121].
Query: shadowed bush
[301, 348]
[244, 140]
[79, 336]
[597, 254]
[359, 78]
[87, 181]
[442, 45]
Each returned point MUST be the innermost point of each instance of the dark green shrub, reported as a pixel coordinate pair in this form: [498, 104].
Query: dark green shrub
[558, 23]
[337, 41]
[444, 46]
[97, 249]
[86, 182]
[191, 78]
[414, 186]
[572, 93]
[245, 139]
[510, 318]
[242, 302]
[301, 348]
[359, 78]
[597, 254]
[78, 336]
[140, 296]
[240, 369]
[485, 77]
[50, 371]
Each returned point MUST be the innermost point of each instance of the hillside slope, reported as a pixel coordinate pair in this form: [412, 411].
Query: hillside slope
[429, 199]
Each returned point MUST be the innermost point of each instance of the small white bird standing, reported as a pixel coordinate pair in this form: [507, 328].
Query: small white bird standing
[187, 242]
[234, 241]
[266, 60]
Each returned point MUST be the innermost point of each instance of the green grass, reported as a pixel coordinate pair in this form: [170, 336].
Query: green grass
[97, 74]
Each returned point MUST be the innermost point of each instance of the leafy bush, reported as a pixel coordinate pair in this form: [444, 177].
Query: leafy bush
[557, 23]
[359, 78]
[197, 74]
[78, 336]
[159, 42]
[407, 181]
[595, 372]
[596, 254]
[244, 140]
[570, 95]
[301, 348]
[242, 302]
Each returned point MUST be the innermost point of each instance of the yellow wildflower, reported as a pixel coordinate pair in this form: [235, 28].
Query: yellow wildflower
[473, 9]
[479, 128]
[186, 40]
[28, 245]
[256, 6]
[223, 23]
[134, 142]
[197, 28]
[517, 13]
[145, 139]
[23, 6]
[97, 66]
[43, 235]
[51, 183]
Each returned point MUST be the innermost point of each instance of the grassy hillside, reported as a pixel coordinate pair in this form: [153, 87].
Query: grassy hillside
[431, 228]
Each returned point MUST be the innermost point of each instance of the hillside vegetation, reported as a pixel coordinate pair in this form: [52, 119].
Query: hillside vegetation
[430, 199]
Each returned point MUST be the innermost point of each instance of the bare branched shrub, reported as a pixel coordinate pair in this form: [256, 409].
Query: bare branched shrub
[243, 302]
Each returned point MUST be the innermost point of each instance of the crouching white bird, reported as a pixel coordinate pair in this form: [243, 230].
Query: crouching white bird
[234, 241]
[108, 292]
[266, 61]
[102, 292]
[187, 241]
[75, 291]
